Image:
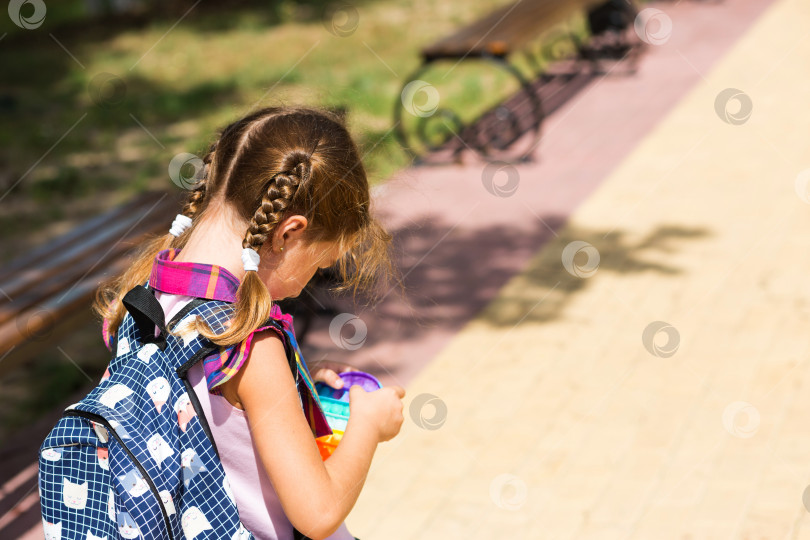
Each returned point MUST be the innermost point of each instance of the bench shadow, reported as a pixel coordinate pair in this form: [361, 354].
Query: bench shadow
[512, 128]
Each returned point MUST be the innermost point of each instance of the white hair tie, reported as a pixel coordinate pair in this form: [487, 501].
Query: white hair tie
[179, 225]
[250, 258]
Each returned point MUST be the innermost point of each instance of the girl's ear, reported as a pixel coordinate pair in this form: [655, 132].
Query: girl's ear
[290, 228]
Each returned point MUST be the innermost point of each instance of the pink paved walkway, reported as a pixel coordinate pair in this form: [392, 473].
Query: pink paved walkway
[459, 244]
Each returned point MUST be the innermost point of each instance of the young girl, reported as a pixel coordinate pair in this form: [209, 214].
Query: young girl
[284, 193]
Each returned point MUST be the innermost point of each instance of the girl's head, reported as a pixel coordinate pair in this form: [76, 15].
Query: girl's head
[293, 179]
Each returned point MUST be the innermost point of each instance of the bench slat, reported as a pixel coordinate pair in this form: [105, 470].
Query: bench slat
[505, 29]
[79, 253]
[58, 285]
[11, 334]
[61, 280]
[33, 257]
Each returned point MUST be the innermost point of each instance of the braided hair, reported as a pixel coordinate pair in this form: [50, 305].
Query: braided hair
[197, 194]
[277, 198]
[271, 164]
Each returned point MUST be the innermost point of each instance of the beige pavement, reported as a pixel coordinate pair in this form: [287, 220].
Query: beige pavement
[560, 423]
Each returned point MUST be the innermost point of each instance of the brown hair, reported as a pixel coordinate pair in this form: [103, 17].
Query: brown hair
[273, 163]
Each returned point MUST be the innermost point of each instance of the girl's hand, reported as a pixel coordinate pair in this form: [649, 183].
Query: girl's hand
[381, 409]
[327, 372]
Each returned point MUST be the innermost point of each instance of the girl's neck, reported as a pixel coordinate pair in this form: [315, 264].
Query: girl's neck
[215, 240]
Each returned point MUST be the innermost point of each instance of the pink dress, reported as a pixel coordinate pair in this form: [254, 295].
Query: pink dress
[259, 508]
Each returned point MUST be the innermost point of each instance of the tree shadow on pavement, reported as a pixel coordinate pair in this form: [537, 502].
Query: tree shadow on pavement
[452, 276]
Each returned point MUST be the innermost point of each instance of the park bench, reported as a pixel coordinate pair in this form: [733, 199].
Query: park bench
[43, 288]
[533, 28]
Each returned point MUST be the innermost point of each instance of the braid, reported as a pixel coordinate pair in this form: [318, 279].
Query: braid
[197, 195]
[195, 200]
[277, 199]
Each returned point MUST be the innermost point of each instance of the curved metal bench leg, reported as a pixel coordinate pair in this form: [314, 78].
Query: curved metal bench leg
[506, 117]
[490, 135]
[399, 128]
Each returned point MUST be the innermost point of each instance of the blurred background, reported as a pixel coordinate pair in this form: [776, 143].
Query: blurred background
[596, 208]
[103, 97]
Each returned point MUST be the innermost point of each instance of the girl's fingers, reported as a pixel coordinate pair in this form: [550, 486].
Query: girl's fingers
[329, 377]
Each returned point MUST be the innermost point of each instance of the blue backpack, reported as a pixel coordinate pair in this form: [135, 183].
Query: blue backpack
[135, 458]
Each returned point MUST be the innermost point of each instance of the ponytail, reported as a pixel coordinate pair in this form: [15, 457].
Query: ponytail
[107, 303]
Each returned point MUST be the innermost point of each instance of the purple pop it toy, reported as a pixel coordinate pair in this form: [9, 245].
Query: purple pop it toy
[369, 383]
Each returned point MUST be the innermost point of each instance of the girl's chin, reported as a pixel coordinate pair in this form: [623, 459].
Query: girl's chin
[286, 294]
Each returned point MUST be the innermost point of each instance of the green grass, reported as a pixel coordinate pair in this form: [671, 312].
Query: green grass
[183, 82]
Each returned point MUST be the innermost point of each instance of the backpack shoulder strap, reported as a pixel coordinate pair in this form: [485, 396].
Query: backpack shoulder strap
[216, 314]
[147, 313]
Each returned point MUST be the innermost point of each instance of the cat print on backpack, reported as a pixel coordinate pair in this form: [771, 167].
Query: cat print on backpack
[168, 502]
[192, 466]
[159, 390]
[103, 458]
[158, 448]
[146, 352]
[185, 411]
[53, 531]
[134, 483]
[75, 494]
[127, 526]
[52, 454]
[194, 522]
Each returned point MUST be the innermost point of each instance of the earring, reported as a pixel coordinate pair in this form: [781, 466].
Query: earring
[281, 248]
